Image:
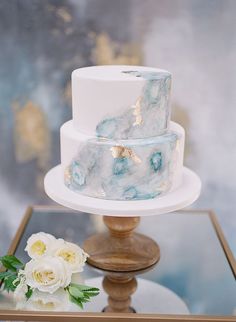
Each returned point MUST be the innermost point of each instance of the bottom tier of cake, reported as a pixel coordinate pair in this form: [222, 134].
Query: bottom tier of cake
[122, 169]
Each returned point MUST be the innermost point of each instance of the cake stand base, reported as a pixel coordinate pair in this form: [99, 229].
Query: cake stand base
[120, 249]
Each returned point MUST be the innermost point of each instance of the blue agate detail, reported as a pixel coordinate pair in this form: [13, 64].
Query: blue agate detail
[106, 128]
[144, 196]
[130, 193]
[96, 172]
[120, 166]
[156, 161]
[78, 174]
[151, 97]
[152, 108]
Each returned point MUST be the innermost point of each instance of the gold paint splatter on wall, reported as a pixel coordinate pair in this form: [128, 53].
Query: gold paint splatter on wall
[68, 93]
[61, 12]
[31, 137]
[107, 51]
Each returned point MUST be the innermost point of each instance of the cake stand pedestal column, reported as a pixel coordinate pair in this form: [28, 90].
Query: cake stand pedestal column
[120, 287]
[120, 249]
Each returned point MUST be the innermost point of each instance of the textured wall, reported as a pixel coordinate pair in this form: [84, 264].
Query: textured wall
[43, 41]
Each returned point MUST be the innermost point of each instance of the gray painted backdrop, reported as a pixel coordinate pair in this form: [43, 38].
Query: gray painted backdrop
[43, 41]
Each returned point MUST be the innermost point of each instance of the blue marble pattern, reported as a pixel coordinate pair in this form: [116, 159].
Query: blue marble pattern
[156, 161]
[150, 114]
[120, 166]
[78, 173]
[143, 170]
[128, 169]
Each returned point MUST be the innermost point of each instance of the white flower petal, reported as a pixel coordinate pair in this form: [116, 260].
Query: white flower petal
[39, 244]
[47, 274]
[72, 254]
[57, 301]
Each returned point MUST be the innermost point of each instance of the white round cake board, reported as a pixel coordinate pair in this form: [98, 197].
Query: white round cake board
[182, 197]
[149, 298]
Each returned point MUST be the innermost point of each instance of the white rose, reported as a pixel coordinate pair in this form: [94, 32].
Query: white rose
[47, 274]
[39, 244]
[72, 254]
[40, 301]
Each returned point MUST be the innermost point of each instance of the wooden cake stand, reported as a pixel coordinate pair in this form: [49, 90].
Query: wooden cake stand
[120, 249]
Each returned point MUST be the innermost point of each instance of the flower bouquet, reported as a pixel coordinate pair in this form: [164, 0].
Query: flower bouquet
[47, 280]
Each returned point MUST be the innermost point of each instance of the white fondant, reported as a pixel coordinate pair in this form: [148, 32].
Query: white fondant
[102, 91]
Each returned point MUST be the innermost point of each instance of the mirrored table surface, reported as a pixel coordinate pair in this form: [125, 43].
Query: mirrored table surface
[194, 279]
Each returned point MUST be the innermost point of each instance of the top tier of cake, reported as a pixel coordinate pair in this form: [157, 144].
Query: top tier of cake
[121, 102]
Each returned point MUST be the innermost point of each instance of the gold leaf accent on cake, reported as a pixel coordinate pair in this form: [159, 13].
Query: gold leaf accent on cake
[177, 146]
[68, 93]
[119, 151]
[102, 139]
[137, 112]
[164, 186]
[67, 175]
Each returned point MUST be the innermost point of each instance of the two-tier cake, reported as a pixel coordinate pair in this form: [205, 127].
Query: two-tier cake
[121, 144]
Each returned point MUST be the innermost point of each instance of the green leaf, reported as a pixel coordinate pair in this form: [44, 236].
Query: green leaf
[11, 262]
[29, 293]
[85, 288]
[92, 289]
[8, 283]
[80, 294]
[86, 296]
[76, 301]
[91, 294]
[84, 300]
[76, 285]
[5, 274]
[74, 291]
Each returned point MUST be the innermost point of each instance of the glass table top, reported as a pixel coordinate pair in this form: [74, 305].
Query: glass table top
[193, 275]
